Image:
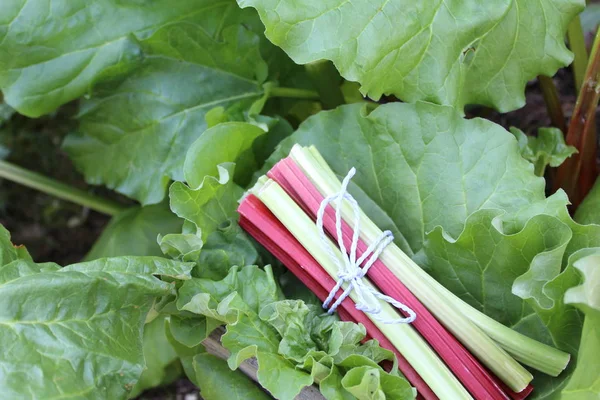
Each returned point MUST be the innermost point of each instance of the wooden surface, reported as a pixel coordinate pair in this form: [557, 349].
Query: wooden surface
[250, 366]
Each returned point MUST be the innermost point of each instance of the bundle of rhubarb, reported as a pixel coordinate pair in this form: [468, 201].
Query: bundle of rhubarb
[445, 348]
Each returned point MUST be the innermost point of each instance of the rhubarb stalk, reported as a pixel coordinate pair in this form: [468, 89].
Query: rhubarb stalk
[402, 336]
[418, 281]
[480, 383]
[257, 220]
[530, 352]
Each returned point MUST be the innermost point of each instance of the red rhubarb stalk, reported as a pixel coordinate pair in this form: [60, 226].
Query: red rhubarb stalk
[480, 383]
[259, 222]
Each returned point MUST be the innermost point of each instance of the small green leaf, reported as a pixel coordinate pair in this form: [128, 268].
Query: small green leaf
[190, 331]
[181, 246]
[226, 142]
[228, 245]
[280, 377]
[369, 383]
[210, 204]
[548, 148]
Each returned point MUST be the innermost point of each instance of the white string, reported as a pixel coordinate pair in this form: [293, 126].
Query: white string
[350, 271]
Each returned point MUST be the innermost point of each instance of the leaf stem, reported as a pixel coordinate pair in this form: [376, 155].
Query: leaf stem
[294, 93]
[577, 44]
[552, 101]
[52, 187]
[578, 173]
[326, 79]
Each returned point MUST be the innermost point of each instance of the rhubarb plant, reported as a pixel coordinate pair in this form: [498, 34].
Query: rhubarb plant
[183, 107]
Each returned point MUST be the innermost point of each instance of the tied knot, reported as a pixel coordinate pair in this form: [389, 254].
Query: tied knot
[353, 269]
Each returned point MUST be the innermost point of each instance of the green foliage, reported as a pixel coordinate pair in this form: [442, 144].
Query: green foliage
[76, 331]
[589, 210]
[162, 361]
[547, 148]
[223, 69]
[463, 202]
[183, 91]
[585, 383]
[294, 343]
[447, 53]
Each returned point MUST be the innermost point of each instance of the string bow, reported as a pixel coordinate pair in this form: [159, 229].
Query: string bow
[349, 267]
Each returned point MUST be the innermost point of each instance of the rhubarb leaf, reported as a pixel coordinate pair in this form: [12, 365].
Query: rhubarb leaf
[211, 209]
[420, 165]
[226, 142]
[369, 384]
[588, 211]
[216, 381]
[133, 232]
[447, 53]
[467, 207]
[134, 131]
[585, 382]
[44, 64]
[293, 343]
[77, 331]
[548, 148]
[211, 203]
[162, 363]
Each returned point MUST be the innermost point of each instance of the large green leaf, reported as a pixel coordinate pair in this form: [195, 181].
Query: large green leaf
[134, 133]
[454, 53]
[465, 205]
[161, 359]
[421, 166]
[45, 63]
[585, 382]
[134, 231]
[217, 381]
[77, 331]
[588, 211]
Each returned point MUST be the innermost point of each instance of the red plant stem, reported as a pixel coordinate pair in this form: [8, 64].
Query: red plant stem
[259, 222]
[578, 173]
[479, 381]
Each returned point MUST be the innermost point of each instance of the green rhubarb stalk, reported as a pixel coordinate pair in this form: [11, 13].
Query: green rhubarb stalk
[406, 340]
[580, 55]
[294, 93]
[58, 189]
[418, 281]
[526, 350]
